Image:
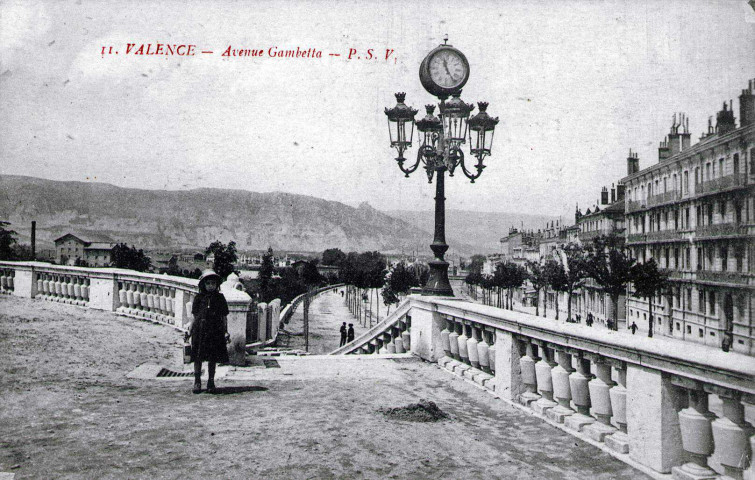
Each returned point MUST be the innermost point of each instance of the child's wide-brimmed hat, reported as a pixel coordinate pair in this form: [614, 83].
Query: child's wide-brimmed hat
[208, 274]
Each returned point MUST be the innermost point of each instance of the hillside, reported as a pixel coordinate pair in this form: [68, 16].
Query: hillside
[195, 218]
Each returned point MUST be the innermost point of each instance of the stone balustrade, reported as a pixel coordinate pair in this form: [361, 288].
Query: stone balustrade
[645, 399]
[159, 298]
[391, 335]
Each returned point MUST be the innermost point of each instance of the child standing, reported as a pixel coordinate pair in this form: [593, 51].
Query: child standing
[208, 330]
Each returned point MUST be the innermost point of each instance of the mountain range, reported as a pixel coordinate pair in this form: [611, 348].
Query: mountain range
[192, 219]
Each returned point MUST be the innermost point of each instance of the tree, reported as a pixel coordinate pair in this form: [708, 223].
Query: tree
[173, 268]
[556, 279]
[538, 279]
[398, 282]
[225, 257]
[473, 279]
[574, 262]
[333, 256]
[7, 240]
[310, 276]
[610, 265]
[648, 282]
[123, 256]
[510, 276]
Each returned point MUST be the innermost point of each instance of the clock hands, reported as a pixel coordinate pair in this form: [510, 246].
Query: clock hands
[445, 65]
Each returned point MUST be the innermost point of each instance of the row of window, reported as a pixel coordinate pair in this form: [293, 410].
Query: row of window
[679, 218]
[703, 173]
[705, 259]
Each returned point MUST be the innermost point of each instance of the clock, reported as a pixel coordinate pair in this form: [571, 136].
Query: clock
[444, 71]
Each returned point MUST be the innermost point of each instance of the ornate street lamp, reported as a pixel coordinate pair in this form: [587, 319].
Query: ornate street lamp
[443, 73]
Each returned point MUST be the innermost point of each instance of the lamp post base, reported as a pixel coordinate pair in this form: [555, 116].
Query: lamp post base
[438, 285]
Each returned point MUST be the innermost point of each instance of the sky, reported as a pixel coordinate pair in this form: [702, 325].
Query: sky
[575, 85]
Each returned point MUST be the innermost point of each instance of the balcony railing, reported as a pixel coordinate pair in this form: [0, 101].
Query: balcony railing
[720, 229]
[721, 183]
[636, 237]
[663, 235]
[737, 278]
[664, 198]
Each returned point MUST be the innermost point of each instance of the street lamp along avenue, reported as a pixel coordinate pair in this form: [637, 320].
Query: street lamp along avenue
[443, 73]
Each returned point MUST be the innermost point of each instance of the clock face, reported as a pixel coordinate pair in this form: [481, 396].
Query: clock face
[447, 69]
[444, 71]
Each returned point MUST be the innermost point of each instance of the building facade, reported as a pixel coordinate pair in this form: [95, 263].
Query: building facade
[93, 250]
[693, 213]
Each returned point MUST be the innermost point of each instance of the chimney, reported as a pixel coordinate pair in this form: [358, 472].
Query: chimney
[674, 138]
[747, 105]
[620, 192]
[613, 193]
[633, 163]
[725, 121]
[685, 134]
[33, 240]
[663, 150]
[604, 196]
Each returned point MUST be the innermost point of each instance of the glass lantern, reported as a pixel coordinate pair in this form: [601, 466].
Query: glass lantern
[401, 119]
[481, 128]
[454, 114]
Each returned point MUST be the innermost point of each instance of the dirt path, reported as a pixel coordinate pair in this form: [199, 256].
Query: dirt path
[67, 410]
[327, 312]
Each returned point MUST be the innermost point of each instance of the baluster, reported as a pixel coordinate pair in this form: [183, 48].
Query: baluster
[474, 359]
[529, 377]
[58, 288]
[77, 289]
[731, 434]
[561, 387]
[143, 299]
[130, 300]
[122, 298]
[4, 280]
[580, 392]
[462, 340]
[697, 435]
[406, 337]
[149, 290]
[491, 352]
[389, 346]
[444, 334]
[483, 351]
[85, 290]
[40, 284]
[601, 401]
[398, 344]
[69, 289]
[163, 305]
[453, 339]
[170, 301]
[543, 370]
[619, 441]
[11, 279]
[46, 285]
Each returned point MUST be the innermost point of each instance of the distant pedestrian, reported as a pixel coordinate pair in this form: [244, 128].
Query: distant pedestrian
[343, 335]
[351, 332]
[633, 328]
[589, 320]
[208, 330]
